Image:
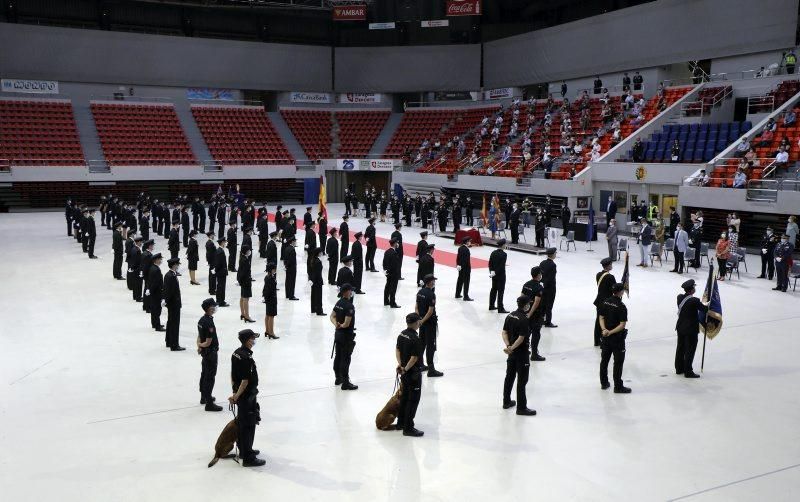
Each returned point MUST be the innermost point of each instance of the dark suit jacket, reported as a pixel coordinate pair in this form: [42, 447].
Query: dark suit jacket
[155, 283]
[603, 287]
[688, 323]
[391, 263]
[462, 260]
[172, 290]
[220, 263]
[548, 273]
[497, 262]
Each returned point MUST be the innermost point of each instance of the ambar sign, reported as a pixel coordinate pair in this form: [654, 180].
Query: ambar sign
[463, 7]
[350, 13]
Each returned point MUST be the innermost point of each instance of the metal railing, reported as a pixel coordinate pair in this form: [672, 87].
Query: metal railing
[97, 165]
[122, 97]
[764, 103]
[701, 106]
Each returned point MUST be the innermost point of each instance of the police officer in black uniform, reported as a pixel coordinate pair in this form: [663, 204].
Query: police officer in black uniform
[768, 243]
[315, 276]
[154, 291]
[244, 379]
[688, 327]
[464, 267]
[233, 244]
[533, 289]
[548, 267]
[172, 300]
[144, 224]
[372, 245]
[408, 352]
[613, 319]
[290, 264]
[345, 274]
[332, 252]
[391, 269]
[516, 338]
[207, 347]
[117, 247]
[134, 259]
[343, 318]
[174, 243]
[272, 248]
[497, 272]
[398, 236]
[221, 272]
[357, 253]
[426, 263]
[211, 256]
[429, 325]
[605, 281]
[344, 236]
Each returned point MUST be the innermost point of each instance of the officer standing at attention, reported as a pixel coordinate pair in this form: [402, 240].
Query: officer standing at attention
[426, 264]
[768, 243]
[290, 264]
[690, 308]
[144, 272]
[233, 244]
[429, 324]
[310, 243]
[272, 247]
[155, 287]
[548, 267]
[345, 275]
[398, 236]
[185, 225]
[244, 379]
[207, 347]
[172, 299]
[391, 269]
[372, 245]
[516, 334]
[464, 267]
[332, 251]
[144, 224]
[605, 281]
[497, 272]
[343, 319]
[322, 229]
[262, 225]
[211, 256]
[513, 223]
[134, 260]
[344, 236]
[408, 352]
[613, 319]
[269, 292]
[421, 247]
[533, 290]
[315, 276]
[91, 234]
[469, 206]
[174, 243]
[117, 247]
[221, 272]
[783, 255]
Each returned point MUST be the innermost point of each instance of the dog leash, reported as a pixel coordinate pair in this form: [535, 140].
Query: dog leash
[396, 382]
[232, 408]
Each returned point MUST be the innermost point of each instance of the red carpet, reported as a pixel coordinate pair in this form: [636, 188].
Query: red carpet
[445, 258]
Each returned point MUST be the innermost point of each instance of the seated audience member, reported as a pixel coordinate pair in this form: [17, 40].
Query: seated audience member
[742, 148]
[629, 101]
[578, 149]
[751, 158]
[789, 118]
[639, 120]
[782, 159]
[702, 179]
[771, 125]
[766, 137]
[739, 179]
[595, 153]
[573, 172]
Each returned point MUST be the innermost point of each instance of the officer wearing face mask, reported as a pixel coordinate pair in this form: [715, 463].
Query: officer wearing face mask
[513, 223]
[769, 241]
[540, 224]
[497, 272]
[783, 257]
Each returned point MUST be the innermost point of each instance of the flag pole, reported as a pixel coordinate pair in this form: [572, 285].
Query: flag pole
[707, 294]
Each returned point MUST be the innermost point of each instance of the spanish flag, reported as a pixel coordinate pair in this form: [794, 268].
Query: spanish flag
[485, 212]
[323, 199]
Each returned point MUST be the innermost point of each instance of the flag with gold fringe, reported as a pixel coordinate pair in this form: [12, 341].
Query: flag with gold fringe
[626, 277]
[323, 198]
[485, 212]
[712, 321]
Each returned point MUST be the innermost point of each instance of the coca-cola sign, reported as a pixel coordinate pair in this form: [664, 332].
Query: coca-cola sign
[350, 13]
[464, 7]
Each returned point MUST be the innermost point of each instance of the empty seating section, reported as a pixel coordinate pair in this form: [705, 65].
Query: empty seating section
[707, 98]
[312, 128]
[39, 132]
[141, 134]
[698, 142]
[358, 131]
[240, 135]
[775, 98]
[418, 125]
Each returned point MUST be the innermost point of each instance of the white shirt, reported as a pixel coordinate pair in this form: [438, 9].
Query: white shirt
[782, 157]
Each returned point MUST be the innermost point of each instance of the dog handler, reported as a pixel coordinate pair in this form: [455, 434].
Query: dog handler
[408, 352]
[244, 377]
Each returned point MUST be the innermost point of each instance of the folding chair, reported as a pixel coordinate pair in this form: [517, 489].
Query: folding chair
[795, 274]
[622, 245]
[732, 265]
[655, 254]
[522, 232]
[689, 258]
[570, 237]
[704, 251]
[669, 247]
[742, 253]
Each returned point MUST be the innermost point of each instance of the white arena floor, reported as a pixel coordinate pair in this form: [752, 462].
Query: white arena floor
[95, 408]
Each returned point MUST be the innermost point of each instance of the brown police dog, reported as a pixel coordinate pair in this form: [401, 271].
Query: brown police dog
[385, 418]
[225, 442]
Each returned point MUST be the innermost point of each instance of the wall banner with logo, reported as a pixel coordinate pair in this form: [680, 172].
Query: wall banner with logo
[310, 97]
[30, 86]
[381, 26]
[502, 93]
[464, 8]
[435, 23]
[354, 98]
[347, 164]
[350, 13]
[376, 165]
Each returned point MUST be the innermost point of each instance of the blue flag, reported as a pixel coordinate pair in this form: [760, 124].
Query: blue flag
[590, 229]
[712, 323]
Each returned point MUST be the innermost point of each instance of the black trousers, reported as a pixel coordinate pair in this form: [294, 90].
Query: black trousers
[400, 257]
[358, 273]
[548, 299]
[598, 331]
[612, 345]
[145, 297]
[409, 399]
[767, 266]
[323, 241]
[369, 259]
[514, 233]
[316, 299]
[221, 229]
[684, 353]
[539, 238]
[442, 224]
[117, 268]
[390, 291]
[536, 336]
[69, 227]
[679, 263]
[721, 266]
[129, 278]
[212, 281]
[345, 248]
[427, 332]
[343, 354]
[85, 243]
[470, 218]
[232, 258]
[173, 252]
[208, 373]
[517, 368]
[262, 246]
[497, 291]
[137, 286]
[782, 273]
[155, 311]
[463, 282]
[211, 222]
[333, 265]
[291, 278]
[90, 245]
[195, 220]
[249, 416]
[173, 326]
[220, 290]
[202, 229]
